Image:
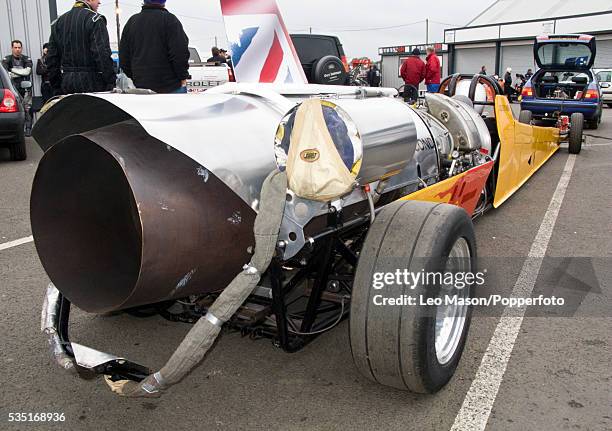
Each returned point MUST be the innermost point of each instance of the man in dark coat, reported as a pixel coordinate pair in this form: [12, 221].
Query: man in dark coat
[79, 58]
[18, 60]
[508, 83]
[154, 49]
[46, 90]
[373, 76]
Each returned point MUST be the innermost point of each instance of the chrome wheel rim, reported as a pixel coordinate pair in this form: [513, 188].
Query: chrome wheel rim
[451, 318]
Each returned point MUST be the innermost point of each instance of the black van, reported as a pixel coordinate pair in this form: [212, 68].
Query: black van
[322, 58]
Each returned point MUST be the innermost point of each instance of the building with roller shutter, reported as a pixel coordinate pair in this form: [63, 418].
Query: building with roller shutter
[30, 22]
[502, 35]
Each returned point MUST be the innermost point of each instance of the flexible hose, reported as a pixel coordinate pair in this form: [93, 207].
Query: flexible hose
[201, 337]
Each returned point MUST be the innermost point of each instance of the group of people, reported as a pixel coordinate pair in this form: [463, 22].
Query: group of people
[19, 67]
[17, 59]
[153, 51]
[506, 81]
[414, 70]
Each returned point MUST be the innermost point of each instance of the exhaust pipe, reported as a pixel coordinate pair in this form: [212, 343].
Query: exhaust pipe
[121, 219]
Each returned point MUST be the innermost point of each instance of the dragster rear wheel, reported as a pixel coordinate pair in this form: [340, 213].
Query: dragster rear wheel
[412, 347]
[526, 116]
[575, 133]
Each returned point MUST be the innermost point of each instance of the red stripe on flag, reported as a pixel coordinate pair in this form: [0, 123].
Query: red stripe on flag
[273, 62]
[249, 7]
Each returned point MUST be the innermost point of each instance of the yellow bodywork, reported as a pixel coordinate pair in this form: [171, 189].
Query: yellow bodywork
[462, 190]
[523, 150]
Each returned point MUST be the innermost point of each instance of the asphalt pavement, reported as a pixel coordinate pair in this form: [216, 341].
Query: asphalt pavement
[557, 376]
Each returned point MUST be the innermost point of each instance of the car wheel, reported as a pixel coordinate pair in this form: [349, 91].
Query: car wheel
[412, 347]
[18, 148]
[525, 117]
[575, 133]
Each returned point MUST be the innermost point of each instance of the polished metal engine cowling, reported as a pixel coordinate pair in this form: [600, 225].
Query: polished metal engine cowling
[467, 128]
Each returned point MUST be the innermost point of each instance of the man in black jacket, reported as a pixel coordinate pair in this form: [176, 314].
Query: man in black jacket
[508, 84]
[20, 61]
[154, 50]
[373, 76]
[79, 58]
[46, 90]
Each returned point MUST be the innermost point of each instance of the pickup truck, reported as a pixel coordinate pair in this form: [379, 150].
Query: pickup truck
[206, 75]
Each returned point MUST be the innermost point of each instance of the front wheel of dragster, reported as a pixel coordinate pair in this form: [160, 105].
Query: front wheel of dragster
[412, 347]
[575, 134]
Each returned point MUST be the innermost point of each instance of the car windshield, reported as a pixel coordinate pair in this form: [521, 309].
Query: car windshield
[194, 57]
[310, 49]
[605, 76]
[564, 54]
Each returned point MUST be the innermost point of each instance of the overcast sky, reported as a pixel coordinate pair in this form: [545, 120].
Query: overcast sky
[202, 20]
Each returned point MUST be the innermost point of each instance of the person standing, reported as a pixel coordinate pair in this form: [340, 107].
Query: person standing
[483, 70]
[17, 60]
[79, 58]
[41, 69]
[529, 74]
[154, 49]
[508, 83]
[432, 71]
[217, 57]
[373, 76]
[413, 73]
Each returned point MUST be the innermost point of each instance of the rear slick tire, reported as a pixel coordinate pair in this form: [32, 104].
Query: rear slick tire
[575, 133]
[411, 347]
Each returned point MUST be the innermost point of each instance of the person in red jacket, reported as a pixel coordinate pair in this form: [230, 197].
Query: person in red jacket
[432, 71]
[413, 69]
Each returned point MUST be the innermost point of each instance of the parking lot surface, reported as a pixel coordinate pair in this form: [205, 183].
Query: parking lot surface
[557, 377]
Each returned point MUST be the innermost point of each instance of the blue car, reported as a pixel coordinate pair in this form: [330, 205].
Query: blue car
[565, 83]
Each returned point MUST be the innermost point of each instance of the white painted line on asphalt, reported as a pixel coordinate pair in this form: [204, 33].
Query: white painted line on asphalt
[17, 242]
[602, 144]
[479, 400]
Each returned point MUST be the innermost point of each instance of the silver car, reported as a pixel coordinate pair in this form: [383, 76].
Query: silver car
[604, 77]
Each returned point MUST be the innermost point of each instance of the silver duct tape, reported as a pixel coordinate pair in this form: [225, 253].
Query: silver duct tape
[50, 309]
[155, 386]
[59, 354]
[250, 269]
[48, 325]
[212, 319]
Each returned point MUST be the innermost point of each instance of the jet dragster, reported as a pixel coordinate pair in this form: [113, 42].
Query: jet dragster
[271, 206]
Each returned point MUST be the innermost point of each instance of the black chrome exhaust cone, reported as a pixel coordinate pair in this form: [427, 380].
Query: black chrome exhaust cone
[120, 219]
